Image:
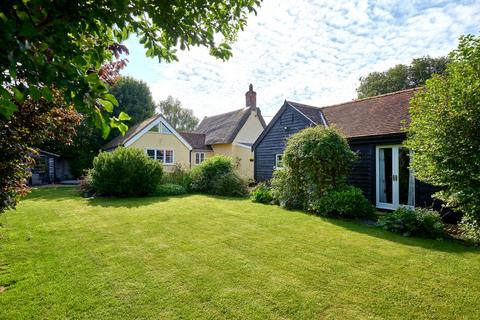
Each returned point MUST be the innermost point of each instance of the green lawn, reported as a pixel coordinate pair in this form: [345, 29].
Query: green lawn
[199, 257]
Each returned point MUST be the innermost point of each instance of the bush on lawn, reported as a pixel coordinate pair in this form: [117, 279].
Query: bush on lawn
[470, 229]
[125, 172]
[261, 193]
[86, 188]
[179, 176]
[418, 222]
[287, 191]
[170, 189]
[346, 203]
[216, 175]
[231, 185]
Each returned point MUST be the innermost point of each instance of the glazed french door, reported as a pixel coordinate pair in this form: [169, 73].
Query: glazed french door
[395, 183]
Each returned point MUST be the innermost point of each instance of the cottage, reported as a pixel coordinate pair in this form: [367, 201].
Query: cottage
[374, 129]
[231, 134]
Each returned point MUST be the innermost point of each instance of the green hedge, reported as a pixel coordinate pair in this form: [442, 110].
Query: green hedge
[418, 222]
[216, 176]
[170, 189]
[347, 203]
[125, 172]
[261, 193]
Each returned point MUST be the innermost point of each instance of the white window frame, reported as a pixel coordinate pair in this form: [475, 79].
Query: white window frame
[199, 157]
[276, 161]
[164, 156]
[160, 128]
[395, 183]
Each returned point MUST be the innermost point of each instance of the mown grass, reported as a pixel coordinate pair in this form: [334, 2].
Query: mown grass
[200, 257]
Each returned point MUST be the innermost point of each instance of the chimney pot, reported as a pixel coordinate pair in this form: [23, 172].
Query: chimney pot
[251, 98]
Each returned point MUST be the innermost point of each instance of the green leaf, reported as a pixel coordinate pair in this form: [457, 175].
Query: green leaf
[80, 61]
[34, 93]
[105, 130]
[28, 30]
[7, 108]
[110, 97]
[106, 104]
[123, 116]
[4, 92]
[47, 94]
[19, 96]
[93, 78]
[123, 128]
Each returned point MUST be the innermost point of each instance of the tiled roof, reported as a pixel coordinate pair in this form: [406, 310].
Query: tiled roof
[379, 115]
[196, 140]
[132, 131]
[223, 128]
[311, 112]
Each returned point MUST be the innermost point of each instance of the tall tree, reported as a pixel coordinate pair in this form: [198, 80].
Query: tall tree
[181, 119]
[444, 132]
[401, 76]
[134, 98]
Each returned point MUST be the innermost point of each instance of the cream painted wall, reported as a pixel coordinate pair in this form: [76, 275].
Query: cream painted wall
[251, 130]
[155, 140]
[243, 156]
[208, 154]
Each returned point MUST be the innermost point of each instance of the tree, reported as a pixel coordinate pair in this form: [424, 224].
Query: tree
[64, 44]
[444, 132]
[401, 77]
[180, 118]
[75, 47]
[134, 98]
[35, 122]
[83, 148]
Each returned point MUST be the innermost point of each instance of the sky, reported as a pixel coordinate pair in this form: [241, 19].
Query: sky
[308, 51]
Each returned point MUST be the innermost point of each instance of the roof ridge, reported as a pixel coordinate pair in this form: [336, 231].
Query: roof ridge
[222, 114]
[356, 100]
[303, 105]
[189, 132]
[371, 98]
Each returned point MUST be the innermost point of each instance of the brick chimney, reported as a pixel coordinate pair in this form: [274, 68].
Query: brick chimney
[251, 98]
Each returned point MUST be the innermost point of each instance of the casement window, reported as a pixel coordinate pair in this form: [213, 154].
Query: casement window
[199, 157]
[168, 157]
[278, 161]
[160, 128]
[165, 156]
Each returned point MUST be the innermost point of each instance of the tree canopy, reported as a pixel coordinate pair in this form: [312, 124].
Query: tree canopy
[134, 98]
[181, 119]
[36, 122]
[64, 44]
[401, 77]
[444, 132]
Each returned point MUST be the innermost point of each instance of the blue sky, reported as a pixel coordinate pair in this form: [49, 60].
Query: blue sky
[307, 51]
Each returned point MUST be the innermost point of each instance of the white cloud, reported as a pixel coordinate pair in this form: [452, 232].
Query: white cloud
[307, 51]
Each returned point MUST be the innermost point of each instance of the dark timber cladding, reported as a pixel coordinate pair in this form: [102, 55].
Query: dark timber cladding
[286, 122]
[367, 123]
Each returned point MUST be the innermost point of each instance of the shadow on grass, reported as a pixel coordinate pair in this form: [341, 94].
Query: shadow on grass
[445, 245]
[129, 202]
[53, 193]
[133, 202]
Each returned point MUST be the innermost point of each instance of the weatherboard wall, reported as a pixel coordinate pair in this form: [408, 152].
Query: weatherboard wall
[289, 122]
